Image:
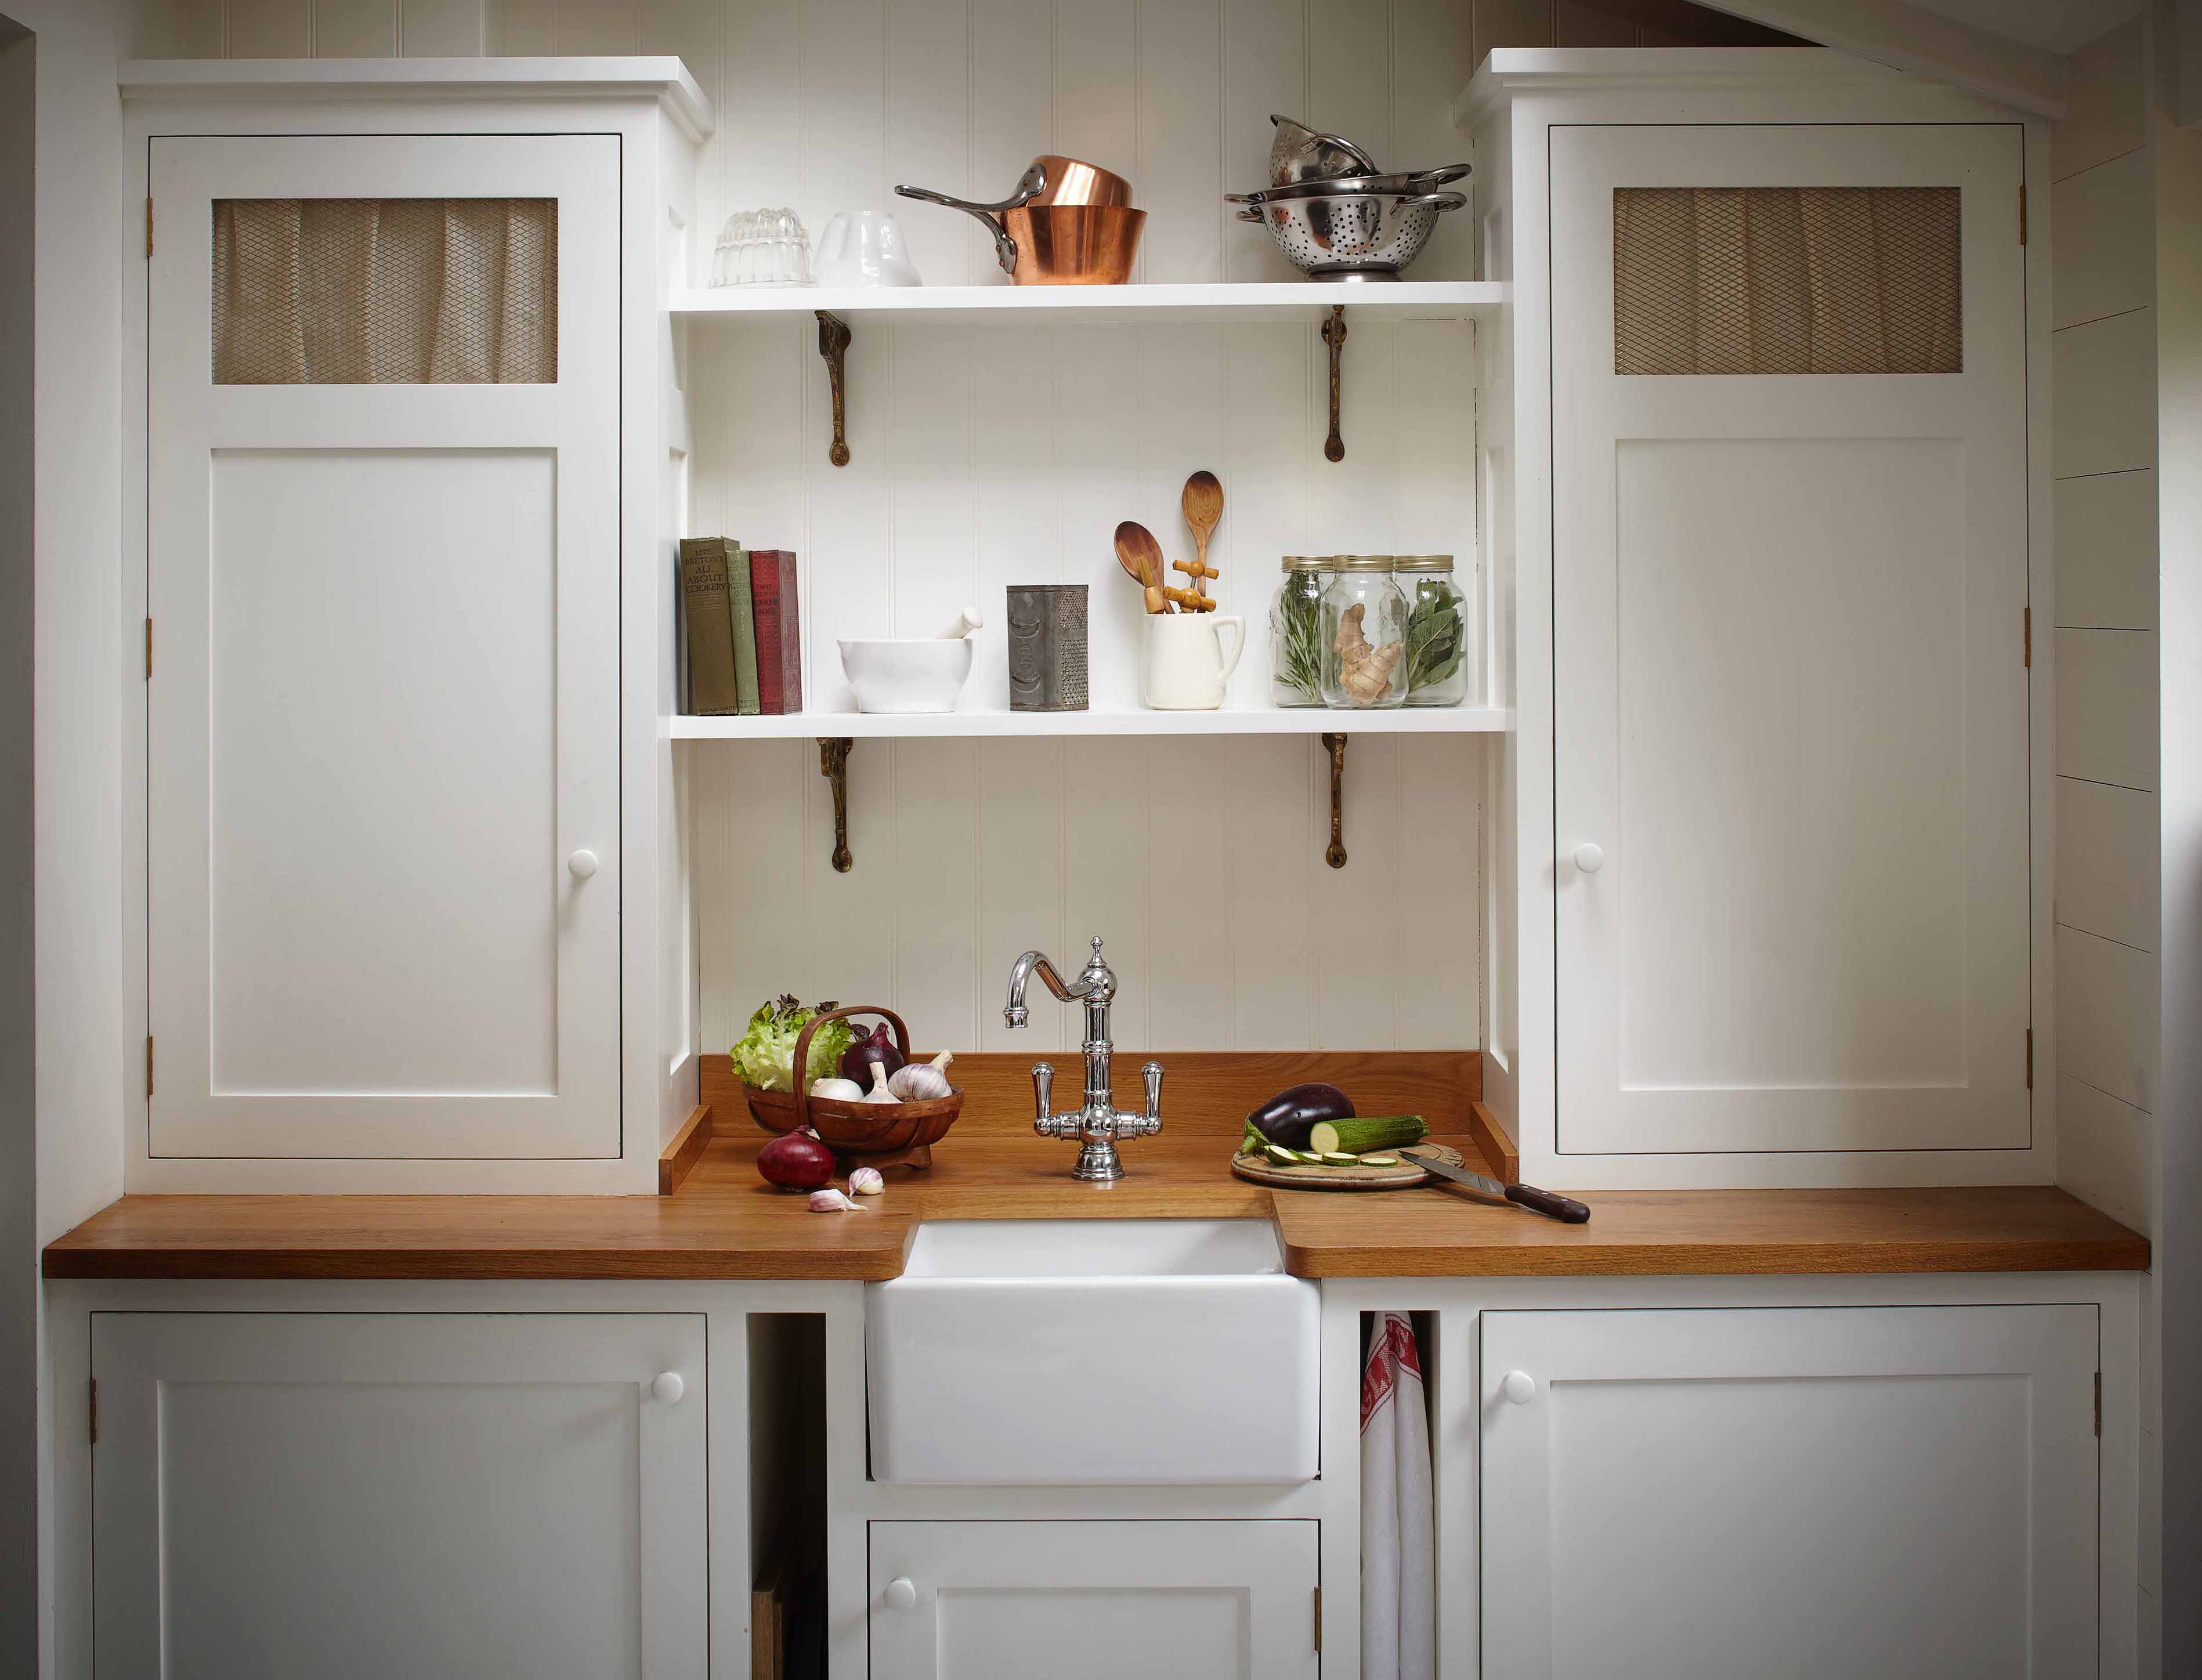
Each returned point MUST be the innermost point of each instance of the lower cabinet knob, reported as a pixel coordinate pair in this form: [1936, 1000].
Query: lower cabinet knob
[1590, 857]
[1520, 1387]
[668, 1387]
[902, 1594]
[583, 864]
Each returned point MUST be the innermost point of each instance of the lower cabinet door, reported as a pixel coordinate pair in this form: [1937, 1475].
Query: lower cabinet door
[1815, 1493]
[1078, 1601]
[357, 1496]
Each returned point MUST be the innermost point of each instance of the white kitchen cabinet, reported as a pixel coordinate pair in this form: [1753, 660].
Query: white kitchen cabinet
[1790, 718]
[1815, 1492]
[383, 584]
[369, 1495]
[1093, 1601]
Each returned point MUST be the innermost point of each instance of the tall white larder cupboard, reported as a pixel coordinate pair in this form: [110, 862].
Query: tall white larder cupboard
[1780, 893]
[383, 580]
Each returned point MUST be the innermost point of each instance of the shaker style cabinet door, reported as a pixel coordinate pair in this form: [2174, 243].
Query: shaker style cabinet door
[383, 574]
[356, 1496]
[1791, 870]
[1821, 1494]
[1099, 1600]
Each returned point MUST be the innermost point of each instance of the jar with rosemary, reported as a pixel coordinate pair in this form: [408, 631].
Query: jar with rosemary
[1438, 671]
[1296, 632]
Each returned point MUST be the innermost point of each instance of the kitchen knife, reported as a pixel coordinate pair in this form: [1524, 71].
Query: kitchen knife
[1527, 1195]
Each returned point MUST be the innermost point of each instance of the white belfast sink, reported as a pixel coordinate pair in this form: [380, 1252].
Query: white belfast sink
[1086, 1351]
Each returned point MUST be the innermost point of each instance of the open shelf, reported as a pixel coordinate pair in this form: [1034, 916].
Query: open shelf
[1289, 300]
[1248, 720]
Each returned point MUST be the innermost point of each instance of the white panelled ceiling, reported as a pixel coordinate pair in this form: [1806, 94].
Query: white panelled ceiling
[2058, 26]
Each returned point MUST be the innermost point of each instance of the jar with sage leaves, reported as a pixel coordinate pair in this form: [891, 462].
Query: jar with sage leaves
[1296, 632]
[1439, 670]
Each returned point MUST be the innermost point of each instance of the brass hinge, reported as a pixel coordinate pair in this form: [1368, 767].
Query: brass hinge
[149, 648]
[149, 1064]
[2029, 1058]
[1318, 1618]
[95, 1411]
[2098, 1402]
[2022, 212]
[149, 227]
[2027, 633]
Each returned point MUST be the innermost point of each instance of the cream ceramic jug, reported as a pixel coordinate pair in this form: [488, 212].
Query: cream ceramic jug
[1185, 667]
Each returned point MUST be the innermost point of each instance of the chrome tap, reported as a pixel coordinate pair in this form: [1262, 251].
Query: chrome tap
[1097, 1122]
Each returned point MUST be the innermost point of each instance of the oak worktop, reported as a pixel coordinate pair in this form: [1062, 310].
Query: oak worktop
[723, 1223]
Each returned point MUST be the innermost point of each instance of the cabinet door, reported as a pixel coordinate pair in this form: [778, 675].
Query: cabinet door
[1905, 1492]
[1789, 588]
[1093, 1601]
[364, 1496]
[382, 717]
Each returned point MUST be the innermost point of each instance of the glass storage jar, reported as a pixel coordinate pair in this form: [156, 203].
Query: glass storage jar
[1364, 609]
[1296, 632]
[1438, 669]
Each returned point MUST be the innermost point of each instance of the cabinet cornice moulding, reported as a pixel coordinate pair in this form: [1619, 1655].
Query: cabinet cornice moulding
[149, 80]
[1517, 70]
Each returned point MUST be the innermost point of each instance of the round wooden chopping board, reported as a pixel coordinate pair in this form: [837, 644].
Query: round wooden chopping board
[1260, 1170]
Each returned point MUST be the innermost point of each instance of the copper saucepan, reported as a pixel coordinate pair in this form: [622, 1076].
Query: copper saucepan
[1067, 223]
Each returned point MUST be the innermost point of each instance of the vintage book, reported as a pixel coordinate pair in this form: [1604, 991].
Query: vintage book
[742, 601]
[778, 630]
[705, 603]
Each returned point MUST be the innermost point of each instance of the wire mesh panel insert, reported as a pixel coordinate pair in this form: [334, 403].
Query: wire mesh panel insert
[385, 291]
[1862, 279]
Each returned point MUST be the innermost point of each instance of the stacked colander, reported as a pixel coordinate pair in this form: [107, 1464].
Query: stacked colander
[1335, 215]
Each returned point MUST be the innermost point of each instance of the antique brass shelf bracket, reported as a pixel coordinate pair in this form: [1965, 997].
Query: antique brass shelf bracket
[1334, 744]
[833, 336]
[833, 765]
[1334, 447]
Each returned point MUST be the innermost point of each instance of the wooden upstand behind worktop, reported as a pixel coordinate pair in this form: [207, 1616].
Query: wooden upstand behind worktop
[724, 1223]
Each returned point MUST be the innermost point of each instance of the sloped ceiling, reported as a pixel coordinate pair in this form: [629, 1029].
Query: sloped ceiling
[2058, 26]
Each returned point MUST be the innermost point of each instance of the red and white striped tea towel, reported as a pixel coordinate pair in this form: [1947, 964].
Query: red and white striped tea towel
[1398, 1619]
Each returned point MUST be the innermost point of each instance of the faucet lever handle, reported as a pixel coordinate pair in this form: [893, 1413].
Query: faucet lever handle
[1043, 1093]
[1152, 1074]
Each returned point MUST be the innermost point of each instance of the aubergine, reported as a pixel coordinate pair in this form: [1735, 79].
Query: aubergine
[1290, 1114]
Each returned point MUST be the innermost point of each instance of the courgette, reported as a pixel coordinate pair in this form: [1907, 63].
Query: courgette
[1356, 1137]
[1279, 1153]
[1341, 1159]
[1385, 1159]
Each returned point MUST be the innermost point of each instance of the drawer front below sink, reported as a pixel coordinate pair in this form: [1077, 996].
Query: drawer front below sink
[1157, 1380]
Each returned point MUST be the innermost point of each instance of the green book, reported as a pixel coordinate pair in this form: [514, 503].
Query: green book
[705, 590]
[741, 604]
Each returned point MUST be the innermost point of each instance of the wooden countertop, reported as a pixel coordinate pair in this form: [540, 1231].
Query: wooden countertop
[724, 1224]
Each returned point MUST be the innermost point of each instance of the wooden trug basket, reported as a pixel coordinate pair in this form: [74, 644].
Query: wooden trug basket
[860, 1134]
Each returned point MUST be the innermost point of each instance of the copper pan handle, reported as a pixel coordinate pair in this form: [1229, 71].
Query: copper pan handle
[1030, 186]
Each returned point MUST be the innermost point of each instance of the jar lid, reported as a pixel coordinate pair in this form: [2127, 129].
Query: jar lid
[1366, 563]
[1423, 563]
[1310, 562]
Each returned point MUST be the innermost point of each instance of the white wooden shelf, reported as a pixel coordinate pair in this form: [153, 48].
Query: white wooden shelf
[1250, 721]
[1291, 300]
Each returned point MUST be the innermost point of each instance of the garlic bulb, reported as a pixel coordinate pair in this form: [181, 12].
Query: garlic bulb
[840, 1090]
[922, 1081]
[866, 1181]
[832, 1201]
[879, 1092]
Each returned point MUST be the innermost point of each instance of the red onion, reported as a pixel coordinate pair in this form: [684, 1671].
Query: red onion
[796, 1161]
[877, 1046]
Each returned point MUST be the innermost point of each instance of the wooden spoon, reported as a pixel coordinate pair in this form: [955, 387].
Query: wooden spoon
[1140, 556]
[1203, 502]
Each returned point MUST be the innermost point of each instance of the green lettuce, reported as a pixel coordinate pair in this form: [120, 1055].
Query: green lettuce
[764, 1055]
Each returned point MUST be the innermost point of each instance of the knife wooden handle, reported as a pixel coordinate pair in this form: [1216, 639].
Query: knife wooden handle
[1560, 1208]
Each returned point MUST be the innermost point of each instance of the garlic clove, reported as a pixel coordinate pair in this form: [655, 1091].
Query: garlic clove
[867, 1181]
[832, 1201]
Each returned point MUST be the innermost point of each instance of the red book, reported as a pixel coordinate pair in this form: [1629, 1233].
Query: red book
[778, 631]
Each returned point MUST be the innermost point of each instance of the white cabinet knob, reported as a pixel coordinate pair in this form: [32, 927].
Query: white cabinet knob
[902, 1594]
[583, 863]
[1590, 857]
[1520, 1387]
[668, 1387]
